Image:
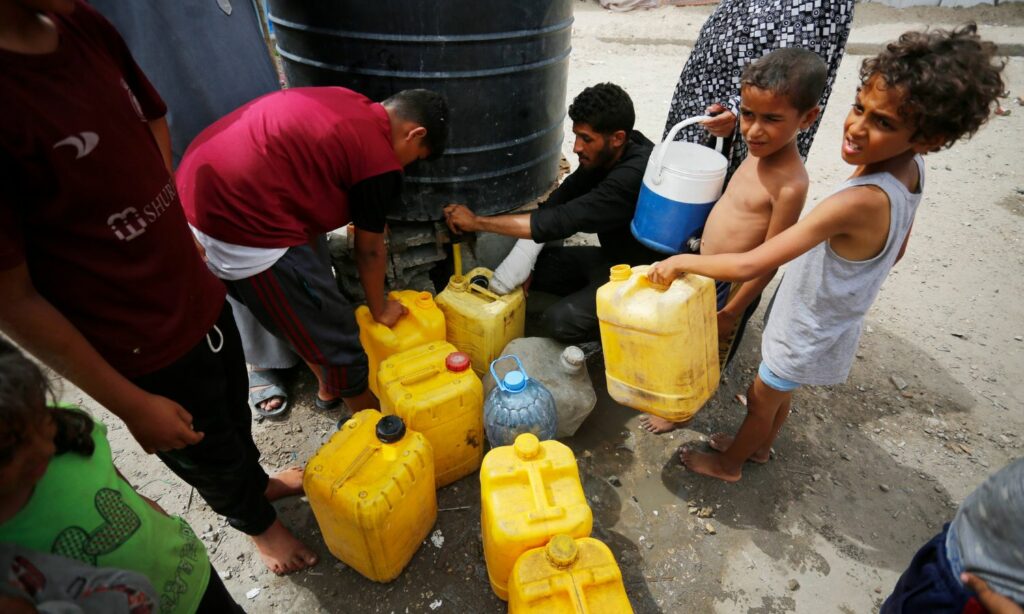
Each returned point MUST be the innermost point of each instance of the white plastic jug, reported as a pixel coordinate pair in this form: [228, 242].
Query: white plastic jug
[682, 182]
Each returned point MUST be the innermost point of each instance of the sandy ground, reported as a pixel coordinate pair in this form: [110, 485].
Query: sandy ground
[865, 472]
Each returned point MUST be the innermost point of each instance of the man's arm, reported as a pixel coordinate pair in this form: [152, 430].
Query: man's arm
[785, 212]
[461, 219]
[832, 217]
[371, 262]
[162, 133]
[156, 422]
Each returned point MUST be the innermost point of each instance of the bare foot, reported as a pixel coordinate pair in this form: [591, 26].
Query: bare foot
[720, 442]
[281, 552]
[657, 425]
[711, 465]
[285, 483]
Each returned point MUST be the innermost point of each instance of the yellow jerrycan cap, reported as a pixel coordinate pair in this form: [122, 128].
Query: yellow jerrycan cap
[526, 446]
[561, 551]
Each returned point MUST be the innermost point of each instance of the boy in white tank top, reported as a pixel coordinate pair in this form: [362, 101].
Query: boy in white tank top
[843, 249]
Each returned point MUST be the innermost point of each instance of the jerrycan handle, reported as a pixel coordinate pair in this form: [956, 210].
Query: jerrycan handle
[380, 328]
[671, 136]
[420, 376]
[647, 281]
[482, 291]
[500, 381]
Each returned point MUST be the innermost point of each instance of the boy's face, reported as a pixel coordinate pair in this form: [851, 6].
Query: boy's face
[874, 130]
[769, 122]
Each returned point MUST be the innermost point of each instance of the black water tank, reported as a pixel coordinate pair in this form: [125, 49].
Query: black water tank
[502, 65]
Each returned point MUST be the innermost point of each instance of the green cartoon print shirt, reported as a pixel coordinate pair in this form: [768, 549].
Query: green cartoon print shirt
[83, 510]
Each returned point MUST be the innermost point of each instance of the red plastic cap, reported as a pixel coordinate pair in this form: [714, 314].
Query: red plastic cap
[457, 362]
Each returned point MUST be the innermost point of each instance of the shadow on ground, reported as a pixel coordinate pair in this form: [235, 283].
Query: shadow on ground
[833, 478]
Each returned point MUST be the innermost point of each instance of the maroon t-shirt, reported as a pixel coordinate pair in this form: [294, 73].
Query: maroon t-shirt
[283, 168]
[88, 205]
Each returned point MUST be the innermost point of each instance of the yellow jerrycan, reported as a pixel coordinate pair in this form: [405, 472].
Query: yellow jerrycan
[530, 491]
[424, 323]
[480, 322]
[433, 390]
[660, 342]
[371, 487]
[568, 576]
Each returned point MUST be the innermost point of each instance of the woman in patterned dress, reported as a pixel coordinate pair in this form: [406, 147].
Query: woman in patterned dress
[739, 32]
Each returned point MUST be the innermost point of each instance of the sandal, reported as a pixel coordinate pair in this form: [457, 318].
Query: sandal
[323, 405]
[269, 385]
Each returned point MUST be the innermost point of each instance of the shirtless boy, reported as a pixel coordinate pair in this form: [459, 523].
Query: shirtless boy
[780, 94]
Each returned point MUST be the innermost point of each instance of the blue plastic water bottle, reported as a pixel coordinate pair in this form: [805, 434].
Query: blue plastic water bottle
[518, 405]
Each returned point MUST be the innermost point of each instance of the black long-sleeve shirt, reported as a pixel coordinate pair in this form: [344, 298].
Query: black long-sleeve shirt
[600, 201]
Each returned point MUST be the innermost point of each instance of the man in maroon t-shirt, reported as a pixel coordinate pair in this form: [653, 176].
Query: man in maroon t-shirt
[99, 274]
[261, 187]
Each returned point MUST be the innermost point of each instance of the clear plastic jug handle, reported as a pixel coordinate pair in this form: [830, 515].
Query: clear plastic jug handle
[499, 381]
[671, 136]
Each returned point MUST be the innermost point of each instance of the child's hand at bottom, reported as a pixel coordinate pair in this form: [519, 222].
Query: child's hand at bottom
[665, 272]
[990, 600]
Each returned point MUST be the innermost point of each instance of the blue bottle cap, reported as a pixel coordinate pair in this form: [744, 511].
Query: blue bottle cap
[515, 381]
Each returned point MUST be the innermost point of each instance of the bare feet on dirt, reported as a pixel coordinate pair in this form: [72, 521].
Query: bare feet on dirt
[281, 552]
[285, 483]
[720, 442]
[711, 465]
[656, 425]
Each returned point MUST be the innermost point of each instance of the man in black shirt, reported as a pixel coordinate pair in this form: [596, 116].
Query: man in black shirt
[599, 197]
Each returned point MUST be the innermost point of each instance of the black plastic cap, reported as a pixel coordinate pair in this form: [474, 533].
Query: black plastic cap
[481, 280]
[390, 429]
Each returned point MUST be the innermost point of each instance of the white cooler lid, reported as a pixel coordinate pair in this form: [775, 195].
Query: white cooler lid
[693, 160]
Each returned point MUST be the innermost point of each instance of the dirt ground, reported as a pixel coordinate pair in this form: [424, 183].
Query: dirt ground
[865, 472]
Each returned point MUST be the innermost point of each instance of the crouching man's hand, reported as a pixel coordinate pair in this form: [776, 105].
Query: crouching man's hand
[460, 219]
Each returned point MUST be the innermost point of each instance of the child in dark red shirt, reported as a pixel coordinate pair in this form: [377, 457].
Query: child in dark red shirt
[98, 270]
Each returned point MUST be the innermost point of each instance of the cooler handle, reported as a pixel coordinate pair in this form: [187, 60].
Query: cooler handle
[499, 381]
[663, 147]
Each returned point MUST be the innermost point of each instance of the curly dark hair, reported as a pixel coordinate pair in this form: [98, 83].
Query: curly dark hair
[24, 392]
[426, 108]
[950, 80]
[605, 107]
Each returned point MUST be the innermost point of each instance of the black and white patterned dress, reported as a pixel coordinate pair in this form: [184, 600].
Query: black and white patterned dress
[739, 32]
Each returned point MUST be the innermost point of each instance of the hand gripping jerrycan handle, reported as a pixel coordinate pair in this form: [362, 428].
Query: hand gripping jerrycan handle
[500, 381]
[671, 136]
[624, 272]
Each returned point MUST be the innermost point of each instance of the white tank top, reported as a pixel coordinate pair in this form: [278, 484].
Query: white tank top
[817, 314]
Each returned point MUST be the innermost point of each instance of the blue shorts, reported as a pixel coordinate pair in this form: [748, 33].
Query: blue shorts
[774, 381]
